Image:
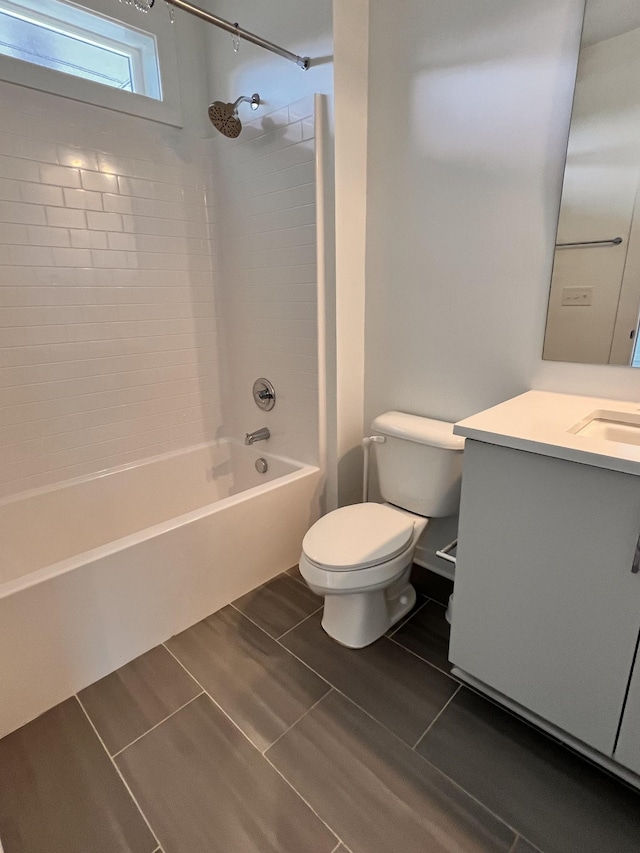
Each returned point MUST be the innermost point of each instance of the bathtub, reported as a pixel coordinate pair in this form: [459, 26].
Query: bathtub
[97, 571]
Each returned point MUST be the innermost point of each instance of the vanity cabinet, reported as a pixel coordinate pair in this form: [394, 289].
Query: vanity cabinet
[546, 607]
[628, 747]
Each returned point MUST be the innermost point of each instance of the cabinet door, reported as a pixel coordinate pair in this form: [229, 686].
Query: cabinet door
[546, 609]
[628, 746]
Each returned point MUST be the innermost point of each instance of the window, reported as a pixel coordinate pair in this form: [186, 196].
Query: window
[64, 37]
[70, 50]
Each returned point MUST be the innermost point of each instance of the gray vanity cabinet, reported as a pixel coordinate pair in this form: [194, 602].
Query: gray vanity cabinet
[628, 747]
[546, 607]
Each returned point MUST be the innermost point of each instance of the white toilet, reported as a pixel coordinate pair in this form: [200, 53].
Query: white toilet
[359, 557]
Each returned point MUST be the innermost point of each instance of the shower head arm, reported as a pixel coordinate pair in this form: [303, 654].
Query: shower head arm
[254, 100]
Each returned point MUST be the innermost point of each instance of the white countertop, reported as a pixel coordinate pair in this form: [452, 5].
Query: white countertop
[539, 422]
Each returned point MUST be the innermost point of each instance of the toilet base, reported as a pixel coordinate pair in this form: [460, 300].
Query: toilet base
[358, 619]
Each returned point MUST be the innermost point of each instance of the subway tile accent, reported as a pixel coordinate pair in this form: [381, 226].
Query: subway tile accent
[120, 319]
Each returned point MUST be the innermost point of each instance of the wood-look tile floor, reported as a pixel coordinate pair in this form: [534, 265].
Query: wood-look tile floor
[253, 732]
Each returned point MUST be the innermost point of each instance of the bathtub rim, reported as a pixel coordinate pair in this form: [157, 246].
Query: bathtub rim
[69, 564]
[138, 463]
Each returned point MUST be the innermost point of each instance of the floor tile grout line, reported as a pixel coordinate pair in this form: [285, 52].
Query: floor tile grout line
[437, 716]
[275, 639]
[518, 839]
[471, 796]
[295, 790]
[301, 717]
[353, 701]
[399, 739]
[233, 722]
[306, 802]
[424, 660]
[421, 757]
[264, 631]
[521, 837]
[317, 610]
[262, 755]
[117, 769]
[337, 690]
[439, 603]
[206, 693]
[177, 659]
[406, 619]
[163, 720]
[364, 710]
[331, 688]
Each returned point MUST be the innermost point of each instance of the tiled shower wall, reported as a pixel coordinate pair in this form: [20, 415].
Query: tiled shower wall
[264, 215]
[108, 347]
[113, 311]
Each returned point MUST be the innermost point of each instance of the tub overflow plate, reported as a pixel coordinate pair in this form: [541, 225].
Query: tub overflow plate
[264, 394]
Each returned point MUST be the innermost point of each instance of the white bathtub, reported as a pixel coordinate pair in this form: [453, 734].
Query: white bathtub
[97, 571]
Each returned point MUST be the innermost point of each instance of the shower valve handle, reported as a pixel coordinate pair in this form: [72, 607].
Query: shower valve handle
[264, 394]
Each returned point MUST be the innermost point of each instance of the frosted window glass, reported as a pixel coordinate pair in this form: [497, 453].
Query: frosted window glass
[69, 38]
[64, 52]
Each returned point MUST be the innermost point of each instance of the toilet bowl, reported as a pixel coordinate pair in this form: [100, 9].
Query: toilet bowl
[359, 557]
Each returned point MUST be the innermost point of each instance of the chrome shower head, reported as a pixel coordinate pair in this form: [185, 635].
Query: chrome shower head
[224, 117]
[225, 120]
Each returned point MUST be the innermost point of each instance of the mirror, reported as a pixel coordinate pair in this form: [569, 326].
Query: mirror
[594, 300]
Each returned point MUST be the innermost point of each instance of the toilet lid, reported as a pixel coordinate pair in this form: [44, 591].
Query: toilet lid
[357, 537]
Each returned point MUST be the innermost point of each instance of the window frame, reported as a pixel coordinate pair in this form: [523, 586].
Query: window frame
[156, 24]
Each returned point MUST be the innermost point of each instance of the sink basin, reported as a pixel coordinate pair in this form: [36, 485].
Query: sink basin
[623, 427]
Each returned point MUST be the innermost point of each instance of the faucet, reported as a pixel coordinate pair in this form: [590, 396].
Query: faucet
[261, 434]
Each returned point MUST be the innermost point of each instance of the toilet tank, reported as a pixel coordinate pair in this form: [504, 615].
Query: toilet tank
[419, 463]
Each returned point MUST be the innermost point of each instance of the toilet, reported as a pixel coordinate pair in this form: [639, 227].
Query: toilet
[359, 557]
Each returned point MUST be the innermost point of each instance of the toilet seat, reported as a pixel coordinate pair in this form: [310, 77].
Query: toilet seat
[358, 537]
[324, 581]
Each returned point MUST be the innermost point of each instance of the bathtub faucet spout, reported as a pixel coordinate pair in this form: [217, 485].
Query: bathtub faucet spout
[261, 434]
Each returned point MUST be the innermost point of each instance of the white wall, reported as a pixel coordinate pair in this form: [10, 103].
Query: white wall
[469, 106]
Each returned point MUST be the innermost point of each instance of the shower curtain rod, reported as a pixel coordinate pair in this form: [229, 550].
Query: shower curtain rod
[301, 61]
